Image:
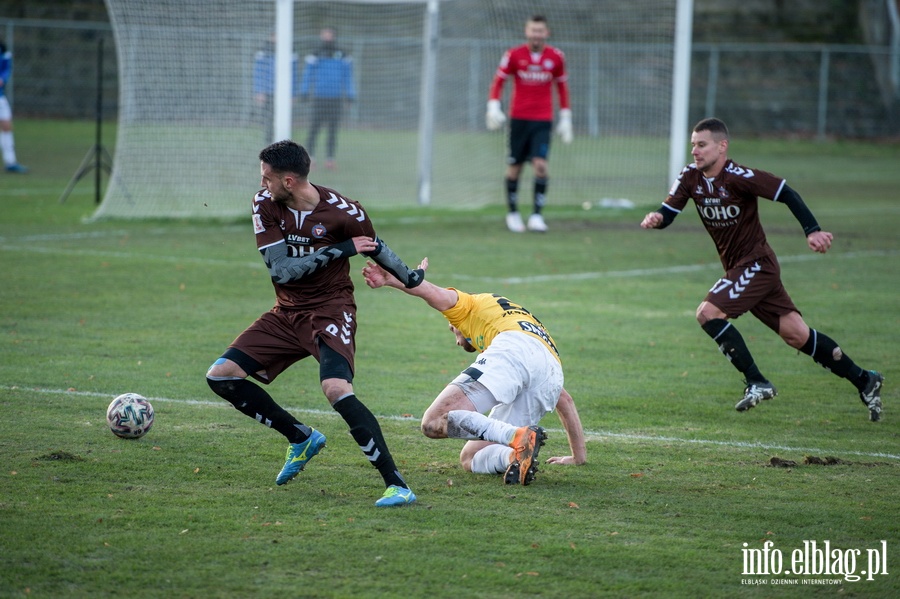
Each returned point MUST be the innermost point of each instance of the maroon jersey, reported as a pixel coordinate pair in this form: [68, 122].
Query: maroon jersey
[534, 76]
[728, 208]
[333, 220]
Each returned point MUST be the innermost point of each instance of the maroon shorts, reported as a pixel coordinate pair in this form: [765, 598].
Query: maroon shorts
[754, 288]
[281, 337]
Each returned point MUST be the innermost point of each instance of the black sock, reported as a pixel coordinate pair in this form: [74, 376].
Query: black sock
[365, 430]
[254, 401]
[512, 194]
[826, 353]
[540, 194]
[732, 346]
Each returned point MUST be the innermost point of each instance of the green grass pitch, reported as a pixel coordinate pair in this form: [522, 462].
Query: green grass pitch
[678, 486]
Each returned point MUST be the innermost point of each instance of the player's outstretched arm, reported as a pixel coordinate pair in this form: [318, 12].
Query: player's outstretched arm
[391, 262]
[438, 298]
[568, 416]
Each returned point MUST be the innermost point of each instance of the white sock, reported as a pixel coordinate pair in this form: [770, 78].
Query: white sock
[493, 459]
[462, 424]
[8, 147]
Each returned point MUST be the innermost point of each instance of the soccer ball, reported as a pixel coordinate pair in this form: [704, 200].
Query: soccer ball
[129, 416]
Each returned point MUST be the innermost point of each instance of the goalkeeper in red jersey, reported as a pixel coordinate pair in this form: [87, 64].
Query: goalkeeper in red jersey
[535, 68]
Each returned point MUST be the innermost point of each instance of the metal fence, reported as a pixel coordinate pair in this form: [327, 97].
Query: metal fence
[799, 89]
[814, 90]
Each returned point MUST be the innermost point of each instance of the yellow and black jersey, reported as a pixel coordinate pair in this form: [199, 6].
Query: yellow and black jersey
[482, 316]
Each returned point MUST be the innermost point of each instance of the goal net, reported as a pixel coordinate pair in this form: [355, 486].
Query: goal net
[192, 118]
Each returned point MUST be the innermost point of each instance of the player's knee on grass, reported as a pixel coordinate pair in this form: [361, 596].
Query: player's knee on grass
[434, 425]
[465, 461]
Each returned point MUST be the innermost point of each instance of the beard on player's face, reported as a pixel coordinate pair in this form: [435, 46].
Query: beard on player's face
[278, 191]
[281, 196]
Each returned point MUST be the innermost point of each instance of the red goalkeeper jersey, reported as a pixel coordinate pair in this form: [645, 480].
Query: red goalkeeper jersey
[533, 78]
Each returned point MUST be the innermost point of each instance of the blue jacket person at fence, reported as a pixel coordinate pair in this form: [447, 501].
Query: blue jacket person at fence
[328, 81]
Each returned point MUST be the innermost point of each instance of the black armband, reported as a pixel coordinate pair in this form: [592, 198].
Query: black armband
[668, 215]
[804, 216]
[388, 260]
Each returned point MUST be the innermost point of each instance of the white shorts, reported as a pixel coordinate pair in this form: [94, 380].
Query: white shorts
[516, 378]
[5, 110]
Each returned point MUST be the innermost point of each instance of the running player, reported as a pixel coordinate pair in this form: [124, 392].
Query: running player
[306, 235]
[518, 377]
[726, 196]
[535, 68]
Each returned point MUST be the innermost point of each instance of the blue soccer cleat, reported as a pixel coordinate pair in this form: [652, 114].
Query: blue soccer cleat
[16, 168]
[395, 496]
[298, 454]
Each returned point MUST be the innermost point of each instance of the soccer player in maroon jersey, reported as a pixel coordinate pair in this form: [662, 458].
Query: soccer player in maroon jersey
[306, 234]
[726, 197]
[535, 68]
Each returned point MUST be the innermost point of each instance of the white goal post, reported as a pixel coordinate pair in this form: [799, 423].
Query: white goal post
[191, 122]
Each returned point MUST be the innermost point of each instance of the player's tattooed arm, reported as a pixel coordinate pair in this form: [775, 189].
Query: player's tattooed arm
[388, 260]
[284, 269]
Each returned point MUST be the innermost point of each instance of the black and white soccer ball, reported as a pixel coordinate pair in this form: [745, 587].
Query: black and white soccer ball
[129, 416]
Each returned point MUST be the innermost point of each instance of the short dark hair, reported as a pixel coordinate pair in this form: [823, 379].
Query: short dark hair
[713, 125]
[538, 19]
[286, 156]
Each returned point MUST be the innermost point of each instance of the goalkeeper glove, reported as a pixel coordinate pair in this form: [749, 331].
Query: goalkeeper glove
[494, 118]
[564, 126]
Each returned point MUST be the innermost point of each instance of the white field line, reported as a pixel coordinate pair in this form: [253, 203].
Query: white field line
[667, 270]
[590, 435]
[27, 244]
[138, 256]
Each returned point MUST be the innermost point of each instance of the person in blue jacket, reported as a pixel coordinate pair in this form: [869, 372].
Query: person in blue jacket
[328, 81]
[7, 144]
[264, 85]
